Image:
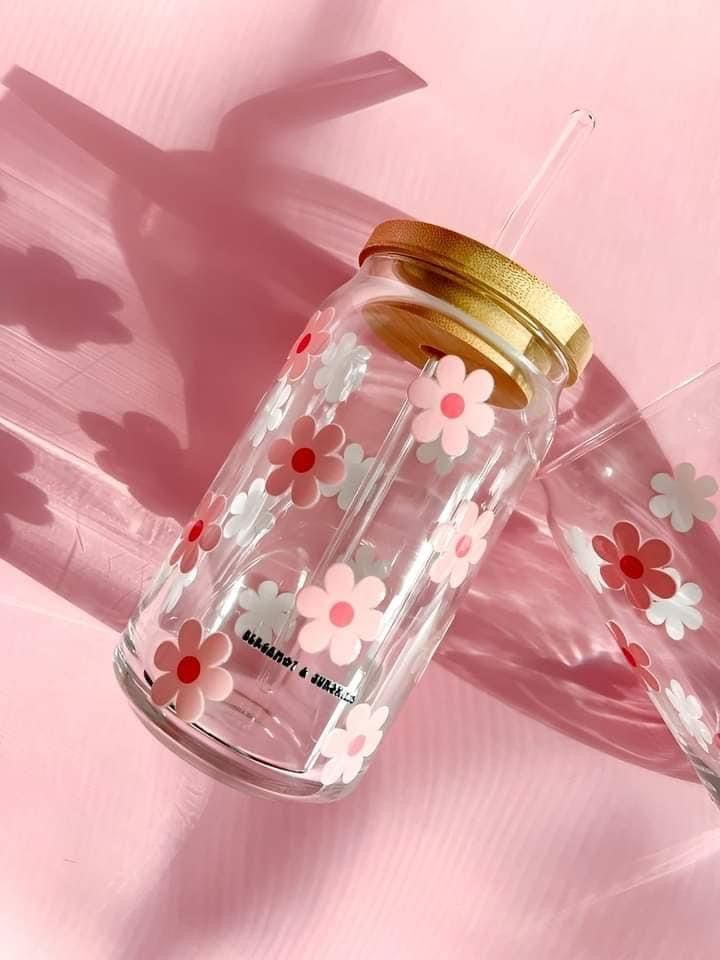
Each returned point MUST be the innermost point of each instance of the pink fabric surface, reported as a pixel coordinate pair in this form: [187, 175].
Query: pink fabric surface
[163, 236]
[476, 833]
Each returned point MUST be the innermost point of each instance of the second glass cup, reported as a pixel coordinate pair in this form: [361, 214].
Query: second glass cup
[636, 512]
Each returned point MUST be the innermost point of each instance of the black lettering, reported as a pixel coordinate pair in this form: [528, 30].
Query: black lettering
[326, 685]
[278, 658]
[303, 673]
[286, 662]
[264, 648]
[270, 652]
[248, 636]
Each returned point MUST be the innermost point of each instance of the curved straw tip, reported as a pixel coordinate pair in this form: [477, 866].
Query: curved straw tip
[584, 117]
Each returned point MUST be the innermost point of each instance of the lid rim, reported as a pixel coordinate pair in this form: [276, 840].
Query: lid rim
[472, 261]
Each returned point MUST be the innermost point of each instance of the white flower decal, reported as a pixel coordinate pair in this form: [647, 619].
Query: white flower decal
[683, 497]
[179, 582]
[266, 609]
[585, 557]
[357, 467]
[272, 410]
[346, 749]
[690, 711]
[679, 612]
[433, 452]
[344, 365]
[365, 563]
[249, 515]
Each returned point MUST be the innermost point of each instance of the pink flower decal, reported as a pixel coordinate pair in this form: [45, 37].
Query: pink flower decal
[346, 749]
[636, 656]
[192, 673]
[201, 533]
[460, 543]
[342, 616]
[633, 567]
[306, 461]
[311, 343]
[453, 406]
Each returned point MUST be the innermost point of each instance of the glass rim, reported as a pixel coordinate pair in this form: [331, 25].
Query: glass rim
[614, 430]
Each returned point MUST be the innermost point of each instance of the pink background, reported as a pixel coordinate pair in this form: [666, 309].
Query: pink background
[156, 257]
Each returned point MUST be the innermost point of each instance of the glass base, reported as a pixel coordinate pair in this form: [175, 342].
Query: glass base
[707, 777]
[212, 755]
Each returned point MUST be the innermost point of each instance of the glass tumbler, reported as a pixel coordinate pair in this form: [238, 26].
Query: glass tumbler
[309, 590]
[635, 511]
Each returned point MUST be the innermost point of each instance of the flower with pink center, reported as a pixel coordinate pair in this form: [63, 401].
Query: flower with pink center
[346, 749]
[453, 405]
[305, 461]
[311, 343]
[191, 671]
[342, 616]
[460, 543]
[636, 656]
[634, 567]
[200, 533]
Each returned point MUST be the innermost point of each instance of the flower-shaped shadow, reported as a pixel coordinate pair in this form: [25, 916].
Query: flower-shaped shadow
[164, 460]
[40, 290]
[19, 497]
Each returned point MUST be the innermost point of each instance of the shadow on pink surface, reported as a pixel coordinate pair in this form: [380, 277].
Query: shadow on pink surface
[40, 290]
[19, 497]
[208, 249]
[205, 237]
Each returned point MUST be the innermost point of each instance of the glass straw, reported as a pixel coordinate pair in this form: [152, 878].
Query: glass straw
[521, 219]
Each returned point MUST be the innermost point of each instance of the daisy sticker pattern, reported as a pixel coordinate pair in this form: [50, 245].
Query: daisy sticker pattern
[341, 615]
[304, 461]
[249, 515]
[586, 560]
[683, 497]
[460, 544]
[690, 713]
[265, 610]
[679, 612]
[191, 671]
[344, 365]
[347, 749]
[201, 533]
[636, 656]
[633, 566]
[271, 412]
[453, 405]
[357, 467]
[311, 343]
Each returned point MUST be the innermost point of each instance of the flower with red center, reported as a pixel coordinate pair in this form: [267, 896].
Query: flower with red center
[311, 343]
[636, 656]
[201, 533]
[634, 567]
[346, 749]
[460, 543]
[191, 672]
[342, 616]
[305, 461]
[453, 405]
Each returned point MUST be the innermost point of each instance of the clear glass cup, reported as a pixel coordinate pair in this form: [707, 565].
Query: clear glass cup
[635, 510]
[311, 587]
